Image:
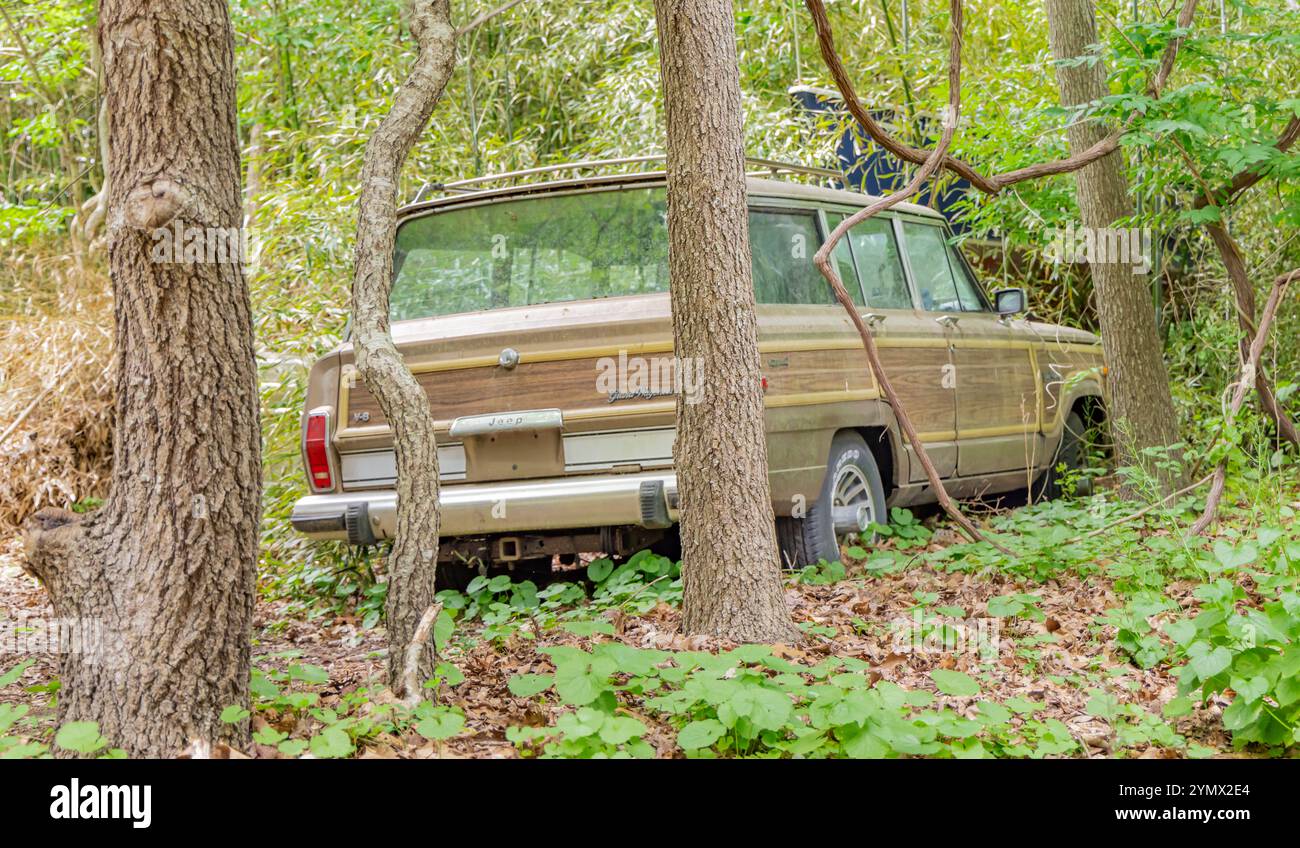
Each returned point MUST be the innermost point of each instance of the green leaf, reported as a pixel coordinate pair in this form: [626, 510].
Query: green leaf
[1181, 631]
[1242, 713]
[292, 747]
[599, 569]
[268, 735]
[994, 712]
[12, 675]
[442, 725]
[261, 688]
[1205, 215]
[617, 730]
[528, 685]
[9, 714]
[576, 686]
[1230, 556]
[954, 682]
[1209, 664]
[700, 734]
[331, 743]
[589, 628]
[311, 674]
[1287, 691]
[234, 714]
[80, 736]
[751, 653]
[442, 630]
[1005, 606]
[863, 745]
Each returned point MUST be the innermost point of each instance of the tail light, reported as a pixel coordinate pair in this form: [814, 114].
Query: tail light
[317, 452]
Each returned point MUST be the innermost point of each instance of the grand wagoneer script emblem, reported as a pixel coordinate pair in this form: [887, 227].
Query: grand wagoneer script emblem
[638, 377]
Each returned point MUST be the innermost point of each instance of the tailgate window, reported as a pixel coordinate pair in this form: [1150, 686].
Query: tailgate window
[535, 250]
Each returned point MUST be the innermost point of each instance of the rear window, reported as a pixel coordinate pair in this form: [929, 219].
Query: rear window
[536, 250]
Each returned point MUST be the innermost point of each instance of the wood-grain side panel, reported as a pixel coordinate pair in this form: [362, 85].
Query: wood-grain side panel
[793, 377]
[996, 391]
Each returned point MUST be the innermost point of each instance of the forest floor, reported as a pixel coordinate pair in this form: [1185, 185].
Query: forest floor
[1047, 648]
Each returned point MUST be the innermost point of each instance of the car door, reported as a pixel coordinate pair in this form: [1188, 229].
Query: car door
[912, 347]
[996, 389]
[806, 346]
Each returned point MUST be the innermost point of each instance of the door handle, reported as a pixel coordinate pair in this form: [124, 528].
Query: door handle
[874, 318]
[947, 320]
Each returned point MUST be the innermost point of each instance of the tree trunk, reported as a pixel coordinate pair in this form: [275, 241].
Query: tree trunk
[160, 581]
[1141, 409]
[414, 556]
[731, 569]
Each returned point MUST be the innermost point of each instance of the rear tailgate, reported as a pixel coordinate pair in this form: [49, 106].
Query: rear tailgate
[479, 368]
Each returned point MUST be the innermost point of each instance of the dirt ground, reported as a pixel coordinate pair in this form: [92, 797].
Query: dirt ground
[1058, 661]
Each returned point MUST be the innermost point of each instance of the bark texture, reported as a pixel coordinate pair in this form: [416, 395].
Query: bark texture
[160, 580]
[414, 556]
[1141, 411]
[730, 564]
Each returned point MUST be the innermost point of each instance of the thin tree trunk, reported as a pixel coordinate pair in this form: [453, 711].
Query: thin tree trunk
[253, 184]
[1244, 294]
[1249, 368]
[731, 569]
[414, 556]
[1141, 409]
[160, 581]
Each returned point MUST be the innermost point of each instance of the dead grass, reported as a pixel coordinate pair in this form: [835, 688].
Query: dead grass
[56, 382]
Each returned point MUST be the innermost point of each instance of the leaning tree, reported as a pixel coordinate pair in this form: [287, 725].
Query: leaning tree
[410, 608]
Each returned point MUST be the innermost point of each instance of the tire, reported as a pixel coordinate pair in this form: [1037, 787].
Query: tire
[1069, 453]
[852, 477]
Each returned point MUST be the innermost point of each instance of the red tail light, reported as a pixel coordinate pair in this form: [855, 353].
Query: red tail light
[316, 448]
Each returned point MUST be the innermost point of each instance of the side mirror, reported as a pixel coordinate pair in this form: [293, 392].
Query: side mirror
[1009, 302]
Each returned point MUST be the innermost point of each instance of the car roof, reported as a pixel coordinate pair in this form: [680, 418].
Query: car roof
[757, 187]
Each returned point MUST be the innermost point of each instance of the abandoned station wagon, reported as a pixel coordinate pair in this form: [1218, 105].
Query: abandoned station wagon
[537, 318]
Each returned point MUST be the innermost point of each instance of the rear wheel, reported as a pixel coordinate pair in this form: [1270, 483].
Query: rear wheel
[852, 491]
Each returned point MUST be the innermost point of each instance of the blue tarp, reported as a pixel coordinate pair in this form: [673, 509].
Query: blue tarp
[869, 168]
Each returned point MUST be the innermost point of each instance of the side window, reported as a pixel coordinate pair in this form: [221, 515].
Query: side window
[879, 264]
[844, 263]
[942, 287]
[968, 288]
[783, 244]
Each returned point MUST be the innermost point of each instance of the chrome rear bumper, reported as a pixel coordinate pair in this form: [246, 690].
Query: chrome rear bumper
[610, 500]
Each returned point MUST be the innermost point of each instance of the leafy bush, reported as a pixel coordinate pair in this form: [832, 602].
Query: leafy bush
[750, 702]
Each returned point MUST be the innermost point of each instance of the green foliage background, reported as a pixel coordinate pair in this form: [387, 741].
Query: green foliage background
[552, 82]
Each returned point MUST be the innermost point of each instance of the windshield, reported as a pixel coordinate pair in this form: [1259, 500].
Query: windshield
[534, 250]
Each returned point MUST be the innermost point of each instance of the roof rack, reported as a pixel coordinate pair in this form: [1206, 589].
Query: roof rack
[758, 167]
